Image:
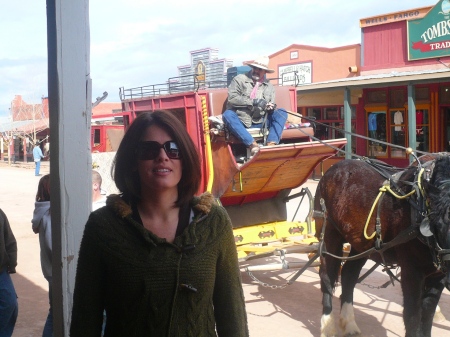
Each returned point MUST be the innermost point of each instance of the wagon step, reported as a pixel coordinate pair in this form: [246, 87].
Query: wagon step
[280, 266]
[301, 266]
[251, 252]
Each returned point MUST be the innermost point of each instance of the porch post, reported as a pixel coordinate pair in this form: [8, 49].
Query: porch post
[69, 92]
[24, 146]
[411, 119]
[347, 123]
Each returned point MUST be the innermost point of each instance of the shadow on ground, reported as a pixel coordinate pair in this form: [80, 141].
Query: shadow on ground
[378, 311]
[33, 307]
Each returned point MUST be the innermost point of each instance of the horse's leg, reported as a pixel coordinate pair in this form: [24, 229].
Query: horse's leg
[329, 272]
[412, 282]
[349, 277]
[432, 292]
[328, 276]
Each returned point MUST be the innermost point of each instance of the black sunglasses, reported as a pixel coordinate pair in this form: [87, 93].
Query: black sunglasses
[149, 150]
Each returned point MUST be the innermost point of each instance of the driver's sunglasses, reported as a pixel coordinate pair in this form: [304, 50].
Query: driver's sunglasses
[149, 150]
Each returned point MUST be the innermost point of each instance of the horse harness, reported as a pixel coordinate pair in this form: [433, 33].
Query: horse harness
[420, 224]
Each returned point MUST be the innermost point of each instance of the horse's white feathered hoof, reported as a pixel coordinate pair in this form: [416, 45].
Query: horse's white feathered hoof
[352, 330]
[347, 321]
[438, 315]
[327, 326]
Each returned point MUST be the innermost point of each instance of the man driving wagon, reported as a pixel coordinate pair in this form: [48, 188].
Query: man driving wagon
[250, 97]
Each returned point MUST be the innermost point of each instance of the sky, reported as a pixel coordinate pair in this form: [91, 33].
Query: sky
[142, 42]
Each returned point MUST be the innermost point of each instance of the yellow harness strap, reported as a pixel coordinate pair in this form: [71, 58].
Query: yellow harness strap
[383, 189]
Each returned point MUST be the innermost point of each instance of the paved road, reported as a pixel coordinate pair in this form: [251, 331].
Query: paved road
[290, 312]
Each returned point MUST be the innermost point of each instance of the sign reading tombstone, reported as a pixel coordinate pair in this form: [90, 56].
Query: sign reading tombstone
[429, 37]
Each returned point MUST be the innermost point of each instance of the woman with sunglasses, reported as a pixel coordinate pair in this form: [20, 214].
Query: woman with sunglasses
[159, 260]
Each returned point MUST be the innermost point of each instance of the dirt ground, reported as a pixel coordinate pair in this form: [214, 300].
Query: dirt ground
[292, 311]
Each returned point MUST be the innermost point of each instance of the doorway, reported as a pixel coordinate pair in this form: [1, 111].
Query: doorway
[446, 113]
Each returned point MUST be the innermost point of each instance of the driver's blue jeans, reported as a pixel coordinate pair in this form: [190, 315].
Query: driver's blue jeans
[275, 124]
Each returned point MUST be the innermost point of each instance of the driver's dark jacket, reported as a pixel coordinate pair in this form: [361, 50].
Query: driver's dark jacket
[239, 99]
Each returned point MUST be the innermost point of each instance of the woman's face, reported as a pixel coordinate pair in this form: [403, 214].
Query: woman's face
[161, 173]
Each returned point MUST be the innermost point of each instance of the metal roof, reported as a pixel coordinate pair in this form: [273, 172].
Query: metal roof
[11, 126]
[380, 80]
[26, 126]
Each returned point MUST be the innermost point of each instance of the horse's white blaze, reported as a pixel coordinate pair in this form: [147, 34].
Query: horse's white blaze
[327, 326]
[347, 320]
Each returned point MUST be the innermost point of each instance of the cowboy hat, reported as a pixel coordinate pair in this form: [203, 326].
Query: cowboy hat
[261, 62]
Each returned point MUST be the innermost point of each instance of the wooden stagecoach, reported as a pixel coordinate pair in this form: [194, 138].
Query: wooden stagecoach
[253, 191]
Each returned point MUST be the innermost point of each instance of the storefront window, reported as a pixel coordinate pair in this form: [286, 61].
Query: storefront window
[397, 98]
[335, 133]
[353, 110]
[354, 137]
[377, 131]
[314, 112]
[444, 94]
[331, 120]
[331, 113]
[422, 130]
[376, 96]
[422, 94]
[322, 131]
[398, 132]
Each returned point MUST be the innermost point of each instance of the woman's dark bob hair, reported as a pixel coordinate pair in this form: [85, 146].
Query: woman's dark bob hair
[124, 169]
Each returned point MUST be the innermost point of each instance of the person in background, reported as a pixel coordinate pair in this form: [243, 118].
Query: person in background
[47, 150]
[9, 307]
[250, 97]
[37, 156]
[42, 225]
[98, 199]
[16, 149]
[161, 261]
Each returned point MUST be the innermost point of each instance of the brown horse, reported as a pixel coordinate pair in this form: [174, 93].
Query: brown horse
[406, 228]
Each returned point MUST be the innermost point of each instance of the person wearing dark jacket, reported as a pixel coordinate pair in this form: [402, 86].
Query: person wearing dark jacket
[251, 99]
[9, 307]
[159, 260]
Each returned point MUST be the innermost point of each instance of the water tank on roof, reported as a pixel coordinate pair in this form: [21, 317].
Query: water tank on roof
[233, 71]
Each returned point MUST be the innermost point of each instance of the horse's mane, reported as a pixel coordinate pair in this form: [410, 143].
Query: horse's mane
[409, 173]
[438, 192]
